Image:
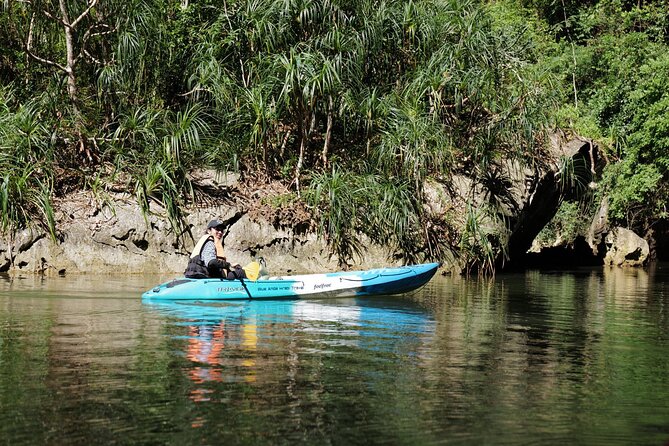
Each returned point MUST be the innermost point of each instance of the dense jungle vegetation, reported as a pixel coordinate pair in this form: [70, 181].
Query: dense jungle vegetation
[354, 105]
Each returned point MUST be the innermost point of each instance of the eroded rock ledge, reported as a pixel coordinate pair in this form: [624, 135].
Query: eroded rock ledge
[94, 238]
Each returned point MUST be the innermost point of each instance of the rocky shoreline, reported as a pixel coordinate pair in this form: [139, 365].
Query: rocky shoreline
[113, 235]
[118, 238]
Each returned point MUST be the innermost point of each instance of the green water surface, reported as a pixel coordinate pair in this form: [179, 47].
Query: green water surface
[561, 357]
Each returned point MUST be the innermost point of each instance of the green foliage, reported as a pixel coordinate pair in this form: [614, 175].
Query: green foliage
[379, 207]
[412, 145]
[580, 21]
[636, 193]
[648, 108]
[340, 197]
[299, 90]
[621, 70]
[24, 195]
[26, 181]
[156, 149]
[621, 17]
[482, 240]
[567, 224]
[281, 201]
[571, 176]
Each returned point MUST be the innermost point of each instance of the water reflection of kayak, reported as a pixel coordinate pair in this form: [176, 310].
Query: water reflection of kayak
[358, 312]
[379, 281]
[246, 340]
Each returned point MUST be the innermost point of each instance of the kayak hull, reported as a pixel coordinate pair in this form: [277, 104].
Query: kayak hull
[381, 281]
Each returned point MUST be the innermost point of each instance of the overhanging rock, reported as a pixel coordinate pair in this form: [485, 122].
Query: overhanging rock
[573, 170]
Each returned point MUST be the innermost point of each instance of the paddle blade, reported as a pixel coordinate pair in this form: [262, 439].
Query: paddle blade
[252, 271]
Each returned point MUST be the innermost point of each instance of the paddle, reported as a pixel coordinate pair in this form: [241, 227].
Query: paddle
[261, 263]
[239, 270]
[245, 288]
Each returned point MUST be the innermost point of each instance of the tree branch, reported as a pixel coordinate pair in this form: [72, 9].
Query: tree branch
[91, 5]
[52, 17]
[29, 50]
[87, 35]
[47, 61]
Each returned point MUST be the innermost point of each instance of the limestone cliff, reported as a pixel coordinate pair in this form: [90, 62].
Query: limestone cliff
[118, 238]
[113, 235]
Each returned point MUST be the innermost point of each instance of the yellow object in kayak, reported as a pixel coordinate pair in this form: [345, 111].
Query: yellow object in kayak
[252, 271]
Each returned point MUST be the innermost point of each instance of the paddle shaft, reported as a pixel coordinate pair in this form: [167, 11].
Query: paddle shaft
[245, 288]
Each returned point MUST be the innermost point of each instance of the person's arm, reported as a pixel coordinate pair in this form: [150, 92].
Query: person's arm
[208, 257]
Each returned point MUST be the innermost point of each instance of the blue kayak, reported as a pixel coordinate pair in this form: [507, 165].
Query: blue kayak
[342, 284]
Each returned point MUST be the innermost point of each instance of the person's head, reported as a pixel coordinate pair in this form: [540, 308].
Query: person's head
[215, 228]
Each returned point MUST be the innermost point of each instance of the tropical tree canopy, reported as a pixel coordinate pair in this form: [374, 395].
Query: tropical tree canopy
[355, 105]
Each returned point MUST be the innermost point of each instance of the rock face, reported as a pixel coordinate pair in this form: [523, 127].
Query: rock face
[98, 239]
[599, 227]
[574, 162]
[95, 237]
[625, 248]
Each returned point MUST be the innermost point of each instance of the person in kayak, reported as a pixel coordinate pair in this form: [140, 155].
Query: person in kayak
[208, 259]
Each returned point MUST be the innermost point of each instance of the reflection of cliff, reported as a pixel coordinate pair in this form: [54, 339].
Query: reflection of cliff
[512, 340]
[549, 348]
[626, 285]
[95, 347]
[67, 354]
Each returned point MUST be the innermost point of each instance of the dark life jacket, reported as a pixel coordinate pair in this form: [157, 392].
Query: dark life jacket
[196, 269]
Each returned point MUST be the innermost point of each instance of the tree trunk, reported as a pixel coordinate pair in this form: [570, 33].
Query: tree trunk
[328, 133]
[304, 140]
[70, 56]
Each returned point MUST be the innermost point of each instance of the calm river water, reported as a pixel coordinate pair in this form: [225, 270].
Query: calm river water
[564, 357]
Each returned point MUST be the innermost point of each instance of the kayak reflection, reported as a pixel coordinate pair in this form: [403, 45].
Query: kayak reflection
[249, 341]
